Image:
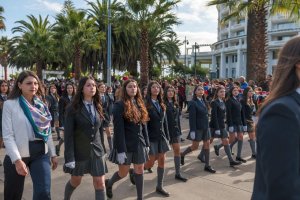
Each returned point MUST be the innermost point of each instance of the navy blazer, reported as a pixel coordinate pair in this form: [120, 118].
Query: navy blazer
[105, 107]
[218, 115]
[127, 134]
[158, 124]
[173, 120]
[277, 174]
[234, 113]
[1, 109]
[81, 135]
[64, 101]
[198, 115]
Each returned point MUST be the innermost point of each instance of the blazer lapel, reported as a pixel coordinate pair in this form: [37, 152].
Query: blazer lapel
[86, 114]
[296, 96]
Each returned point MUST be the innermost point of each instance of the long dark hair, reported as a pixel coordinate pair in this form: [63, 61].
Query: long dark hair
[16, 91]
[231, 90]
[159, 97]
[65, 93]
[77, 102]
[285, 75]
[203, 96]
[4, 81]
[245, 96]
[220, 87]
[131, 112]
[174, 99]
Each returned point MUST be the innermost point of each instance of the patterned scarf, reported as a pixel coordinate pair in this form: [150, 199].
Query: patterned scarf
[38, 116]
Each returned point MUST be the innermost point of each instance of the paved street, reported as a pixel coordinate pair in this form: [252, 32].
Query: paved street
[227, 184]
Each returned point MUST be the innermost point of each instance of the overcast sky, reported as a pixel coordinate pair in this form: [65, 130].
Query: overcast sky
[198, 22]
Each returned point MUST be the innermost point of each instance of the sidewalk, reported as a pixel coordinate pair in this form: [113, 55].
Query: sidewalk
[227, 184]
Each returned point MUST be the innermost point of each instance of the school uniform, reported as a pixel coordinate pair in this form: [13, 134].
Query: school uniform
[198, 120]
[53, 108]
[278, 150]
[173, 122]
[64, 101]
[129, 137]
[248, 113]
[217, 120]
[2, 99]
[234, 115]
[82, 141]
[105, 103]
[158, 129]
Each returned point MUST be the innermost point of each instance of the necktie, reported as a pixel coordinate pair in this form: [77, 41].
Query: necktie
[157, 106]
[90, 112]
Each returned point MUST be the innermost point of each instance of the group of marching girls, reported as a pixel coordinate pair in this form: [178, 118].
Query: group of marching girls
[144, 129]
[145, 126]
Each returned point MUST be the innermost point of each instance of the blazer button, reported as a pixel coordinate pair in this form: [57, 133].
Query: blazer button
[91, 143]
[92, 135]
[93, 127]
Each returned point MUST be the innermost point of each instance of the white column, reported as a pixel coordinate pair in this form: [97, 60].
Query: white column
[213, 63]
[222, 66]
[239, 64]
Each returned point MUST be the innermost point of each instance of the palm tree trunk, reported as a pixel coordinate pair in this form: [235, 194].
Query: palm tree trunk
[39, 69]
[257, 44]
[77, 62]
[144, 57]
[5, 72]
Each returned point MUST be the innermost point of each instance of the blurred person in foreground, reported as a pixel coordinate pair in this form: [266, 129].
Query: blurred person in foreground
[278, 131]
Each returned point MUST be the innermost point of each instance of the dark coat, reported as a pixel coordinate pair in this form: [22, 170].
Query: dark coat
[127, 134]
[62, 105]
[106, 105]
[277, 174]
[247, 110]
[158, 124]
[173, 120]
[81, 135]
[53, 106]
[234, 113]
[198, 115]
[218, 115]
[1, 109]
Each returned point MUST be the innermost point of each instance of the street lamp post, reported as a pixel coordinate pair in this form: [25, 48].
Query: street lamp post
[186, 42]
[109, 46]
[195, 47]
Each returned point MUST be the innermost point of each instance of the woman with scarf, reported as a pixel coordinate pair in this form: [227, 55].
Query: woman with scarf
[28, 140]
[84, 153]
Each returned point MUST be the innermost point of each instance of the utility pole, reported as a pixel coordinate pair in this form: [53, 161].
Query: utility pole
[109, 45]
[195, 47]
[186, 42]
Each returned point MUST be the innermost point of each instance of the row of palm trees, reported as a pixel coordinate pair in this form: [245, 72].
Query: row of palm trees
[141, 30]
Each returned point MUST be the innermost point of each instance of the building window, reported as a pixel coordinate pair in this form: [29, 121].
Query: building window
[240, 33]
[226, 73]
[226, 59]
[275, 54]
[233, 72]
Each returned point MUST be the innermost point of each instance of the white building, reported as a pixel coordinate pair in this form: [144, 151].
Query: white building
[228, 55]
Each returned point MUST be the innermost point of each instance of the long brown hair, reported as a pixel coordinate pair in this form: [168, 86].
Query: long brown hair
[285, 79]
[77, 102]
[174, 99]
[131, 112]
[54, 95]
[220, 87]
[16, 91]
[4, 81]
[159, 97]
[246, 100]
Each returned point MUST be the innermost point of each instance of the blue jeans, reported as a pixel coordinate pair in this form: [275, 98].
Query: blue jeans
[40, 172]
